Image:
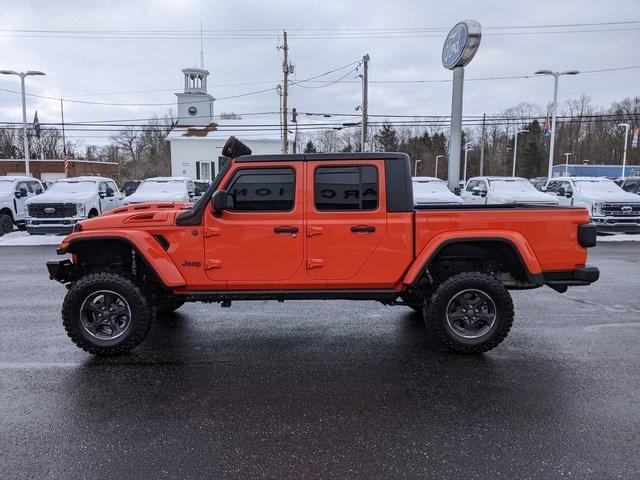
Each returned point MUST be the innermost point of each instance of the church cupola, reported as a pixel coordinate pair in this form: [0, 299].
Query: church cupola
[195, 105]
[195, 80]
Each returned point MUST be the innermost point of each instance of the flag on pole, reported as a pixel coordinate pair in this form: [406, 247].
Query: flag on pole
[66, 164]
[547, 127]
[36, 124]
[634, 138]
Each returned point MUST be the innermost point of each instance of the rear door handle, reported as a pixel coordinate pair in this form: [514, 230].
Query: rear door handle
[285, 229]
[363, 229]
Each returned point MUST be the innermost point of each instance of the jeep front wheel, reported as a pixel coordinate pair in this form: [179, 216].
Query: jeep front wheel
[470, 312]
[106, 314]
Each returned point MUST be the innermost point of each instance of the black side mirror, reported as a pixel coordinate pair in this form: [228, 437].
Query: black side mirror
[38, 191]
[109, 192]
[561, 192]
[457, 191]
[219, 201]
[21, 193]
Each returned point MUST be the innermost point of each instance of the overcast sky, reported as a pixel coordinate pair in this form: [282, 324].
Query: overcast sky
[100, 69]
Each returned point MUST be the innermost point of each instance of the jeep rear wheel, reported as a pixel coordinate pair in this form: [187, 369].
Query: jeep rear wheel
[106, 314]
[6, 224]
[470, 312]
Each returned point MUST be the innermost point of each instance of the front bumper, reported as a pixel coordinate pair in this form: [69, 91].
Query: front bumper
[561, 280]
[61, 270]
[617, 224]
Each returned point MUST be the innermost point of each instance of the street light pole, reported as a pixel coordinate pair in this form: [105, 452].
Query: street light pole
[554, 108]
[22, 76]
[566, 164]
[415, 170]
[437, 157]
[624, 155]
[515, 150]
[466, 151]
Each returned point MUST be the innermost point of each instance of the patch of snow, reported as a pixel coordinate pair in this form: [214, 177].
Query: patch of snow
[23, 239]
[619, 237]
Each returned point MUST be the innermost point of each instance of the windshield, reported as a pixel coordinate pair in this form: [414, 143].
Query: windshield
[162, 186]
[6, 186]
[598, 186]
[512, 186]
[425, 187]
[84, 186]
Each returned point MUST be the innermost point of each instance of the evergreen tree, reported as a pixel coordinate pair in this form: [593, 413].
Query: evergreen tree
[387, 138]
[310, 147]
[531, 159]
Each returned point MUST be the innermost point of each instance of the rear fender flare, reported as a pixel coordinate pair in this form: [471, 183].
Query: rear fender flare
[514, 239]
[157, 259]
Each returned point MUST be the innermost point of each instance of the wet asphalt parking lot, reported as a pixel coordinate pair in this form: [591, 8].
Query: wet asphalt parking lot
[323, 390]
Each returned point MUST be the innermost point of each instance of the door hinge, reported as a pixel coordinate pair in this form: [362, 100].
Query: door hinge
[311, 231]
[314, 263]
[211, 232]
[212, 264]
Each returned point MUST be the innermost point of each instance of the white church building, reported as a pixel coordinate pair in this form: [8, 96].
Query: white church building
[195, 141]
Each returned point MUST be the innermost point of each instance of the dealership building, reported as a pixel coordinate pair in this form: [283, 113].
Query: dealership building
[53, 169]
[586, 170]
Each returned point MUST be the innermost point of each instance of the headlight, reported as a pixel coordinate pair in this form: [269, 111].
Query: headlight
[81, 209]
[596, 209]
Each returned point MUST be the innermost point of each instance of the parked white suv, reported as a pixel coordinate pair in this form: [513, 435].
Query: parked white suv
[70, 200]
[163, 189]
[433, 191]
[610, 207]
[501, 190]
[14, 192]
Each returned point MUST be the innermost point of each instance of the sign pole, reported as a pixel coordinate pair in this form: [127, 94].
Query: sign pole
[459, 48]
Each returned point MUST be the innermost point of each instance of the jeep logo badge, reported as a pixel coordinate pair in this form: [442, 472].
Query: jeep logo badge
[49, 210]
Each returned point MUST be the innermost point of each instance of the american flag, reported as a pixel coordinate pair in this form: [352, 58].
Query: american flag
[66, 164]
[547, 127]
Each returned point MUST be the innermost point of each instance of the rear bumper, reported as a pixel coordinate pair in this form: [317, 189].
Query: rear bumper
[561, 280]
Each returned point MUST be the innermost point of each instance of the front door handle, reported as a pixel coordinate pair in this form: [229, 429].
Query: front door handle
[363, 229]
[286, 229]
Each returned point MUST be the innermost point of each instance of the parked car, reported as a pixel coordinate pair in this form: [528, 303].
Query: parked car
[163, 189]
[433, 191]
[200, 186]
[316, 227]
[14, 192]
[630, 184]
[610, 207]
[69, 200]
[130, 187]
[500, 190]
[46, 184]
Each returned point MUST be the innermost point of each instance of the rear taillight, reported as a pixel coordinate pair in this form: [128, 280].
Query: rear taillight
[587, 235]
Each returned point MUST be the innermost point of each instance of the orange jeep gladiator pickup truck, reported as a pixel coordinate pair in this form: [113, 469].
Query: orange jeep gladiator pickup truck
[318, 226]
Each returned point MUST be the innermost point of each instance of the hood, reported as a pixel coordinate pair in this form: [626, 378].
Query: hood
[526, 197]
[436, 197]
[617, 197]
[54, 197]
[140, 215]
[141, 197]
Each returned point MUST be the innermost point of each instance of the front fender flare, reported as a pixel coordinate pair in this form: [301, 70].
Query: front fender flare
[144, 244]
[515, 239]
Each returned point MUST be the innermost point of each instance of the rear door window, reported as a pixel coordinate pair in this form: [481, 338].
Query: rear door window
[346, 188]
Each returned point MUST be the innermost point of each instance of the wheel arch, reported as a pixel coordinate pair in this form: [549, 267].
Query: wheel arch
[6, 211]
[524, 258]
[145, 246]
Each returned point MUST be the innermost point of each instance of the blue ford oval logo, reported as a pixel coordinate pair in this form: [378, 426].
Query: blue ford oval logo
[49, 210]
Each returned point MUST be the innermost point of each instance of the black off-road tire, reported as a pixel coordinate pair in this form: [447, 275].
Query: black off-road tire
[142, 314]
[435, 312]
[169, 304]
[6, 224]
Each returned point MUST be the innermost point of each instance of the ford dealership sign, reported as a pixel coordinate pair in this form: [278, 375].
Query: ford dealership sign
[461, 44]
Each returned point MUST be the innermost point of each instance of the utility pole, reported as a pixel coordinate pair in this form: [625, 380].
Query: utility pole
[285, 93]
[294, 119]
[365, 100]
[566, 164]
[415, 170]
[515, 150]
[484, 118]
[624, 155]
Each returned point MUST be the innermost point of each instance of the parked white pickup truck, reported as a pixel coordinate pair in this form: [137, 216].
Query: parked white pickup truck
[70, 200]
[433, 191]
[610, 207]
[163, 189]
[501, 190]
[14, 192]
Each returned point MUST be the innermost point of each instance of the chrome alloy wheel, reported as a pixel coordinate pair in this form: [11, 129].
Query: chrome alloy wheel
[105, 315]
[471, 313]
